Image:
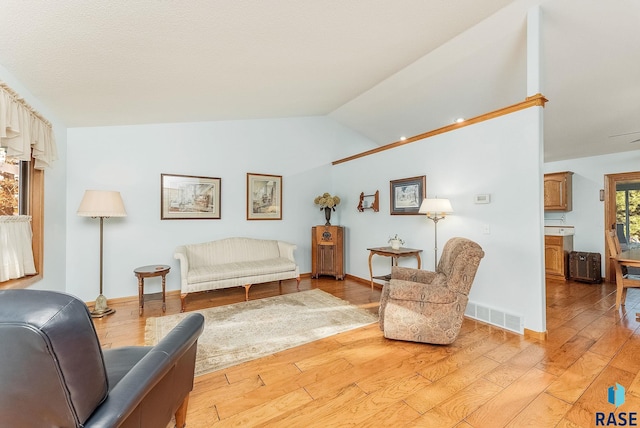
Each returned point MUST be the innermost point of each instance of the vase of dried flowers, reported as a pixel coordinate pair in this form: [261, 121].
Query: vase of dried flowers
[327, 203]
[327, 216]
[396, 242]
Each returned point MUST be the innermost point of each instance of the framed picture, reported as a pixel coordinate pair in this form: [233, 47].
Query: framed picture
[189, 197]
[264, 197]
[407, 195]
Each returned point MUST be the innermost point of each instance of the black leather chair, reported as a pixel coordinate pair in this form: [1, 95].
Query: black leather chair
[53, 372]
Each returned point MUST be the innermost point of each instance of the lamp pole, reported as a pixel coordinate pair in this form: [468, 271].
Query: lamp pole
[101, 246]
[435, 219]
[101, 204]
[101, 307]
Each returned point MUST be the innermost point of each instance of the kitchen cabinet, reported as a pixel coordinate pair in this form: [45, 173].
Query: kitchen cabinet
[327, 251]
[556, 255]
[558, 191]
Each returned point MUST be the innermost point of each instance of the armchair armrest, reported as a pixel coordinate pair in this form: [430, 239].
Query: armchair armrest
[181, 254]
[411, 274]
[149, 380]
[418, 292]
[286, 250]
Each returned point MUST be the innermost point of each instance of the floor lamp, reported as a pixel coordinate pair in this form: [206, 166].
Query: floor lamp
[435, 209]
[101, 204]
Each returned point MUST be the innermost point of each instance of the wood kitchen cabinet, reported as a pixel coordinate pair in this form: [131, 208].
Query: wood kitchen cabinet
[558, 191]
[556, 255]
[327, 251]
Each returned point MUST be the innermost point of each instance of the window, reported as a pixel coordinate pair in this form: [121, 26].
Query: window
[30, 138]
[628, 212]
[21, 193]
[12, 196]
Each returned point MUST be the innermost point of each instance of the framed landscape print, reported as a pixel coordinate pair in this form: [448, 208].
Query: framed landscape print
[189, 197]
[407, 195]
[264, 197]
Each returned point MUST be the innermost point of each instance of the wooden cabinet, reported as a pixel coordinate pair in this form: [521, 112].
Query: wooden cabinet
[556, 255]
[327, 251]
[558, 191]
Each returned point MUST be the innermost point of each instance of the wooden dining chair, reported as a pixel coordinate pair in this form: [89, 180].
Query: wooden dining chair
[623, 280]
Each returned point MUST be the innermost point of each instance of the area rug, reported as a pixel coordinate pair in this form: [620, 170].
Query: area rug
[241, 332]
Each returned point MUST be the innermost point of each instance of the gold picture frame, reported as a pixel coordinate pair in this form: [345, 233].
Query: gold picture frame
[189, 197]
[264, 197]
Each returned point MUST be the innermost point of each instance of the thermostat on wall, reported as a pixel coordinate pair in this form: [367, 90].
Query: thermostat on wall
[482, 199]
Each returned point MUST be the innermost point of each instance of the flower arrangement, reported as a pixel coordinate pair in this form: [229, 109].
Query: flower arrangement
[327, 201]
[396, 238]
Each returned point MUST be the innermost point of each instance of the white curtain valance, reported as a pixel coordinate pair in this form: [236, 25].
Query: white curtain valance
[24, 132]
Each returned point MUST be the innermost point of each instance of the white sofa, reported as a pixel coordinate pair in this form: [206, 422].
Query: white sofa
[234, 262]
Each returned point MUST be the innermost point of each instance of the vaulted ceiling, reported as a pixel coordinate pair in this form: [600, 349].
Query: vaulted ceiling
[384, 68]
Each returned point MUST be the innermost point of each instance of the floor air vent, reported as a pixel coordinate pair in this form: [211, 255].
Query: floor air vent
[495, 317]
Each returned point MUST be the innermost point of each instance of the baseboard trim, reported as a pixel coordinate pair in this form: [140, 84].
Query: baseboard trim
[357, 279]
[538, 335]
[168, 293]
[366, 282]
[134, 298]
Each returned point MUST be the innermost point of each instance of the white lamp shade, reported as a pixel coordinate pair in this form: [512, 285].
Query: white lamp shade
[101, 203]
[435, 206]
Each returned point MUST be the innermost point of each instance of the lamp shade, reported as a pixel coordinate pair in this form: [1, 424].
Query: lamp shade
[101, 203]
[435, 206]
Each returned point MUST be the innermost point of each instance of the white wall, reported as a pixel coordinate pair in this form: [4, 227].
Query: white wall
[501, 157]
[130, 159]
[587, 215]
[54, 273]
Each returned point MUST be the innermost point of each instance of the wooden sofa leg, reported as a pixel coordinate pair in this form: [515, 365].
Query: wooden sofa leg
[246, 292]
[298, 283]
[183, 302]
[181, 413]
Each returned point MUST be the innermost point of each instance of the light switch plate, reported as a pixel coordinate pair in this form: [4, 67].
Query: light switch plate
[484, 198]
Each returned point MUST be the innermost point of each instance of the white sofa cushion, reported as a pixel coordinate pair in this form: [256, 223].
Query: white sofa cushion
[231, 250]
[239, 269]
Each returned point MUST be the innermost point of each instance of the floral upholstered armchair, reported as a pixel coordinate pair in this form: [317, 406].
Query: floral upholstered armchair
[424, 306]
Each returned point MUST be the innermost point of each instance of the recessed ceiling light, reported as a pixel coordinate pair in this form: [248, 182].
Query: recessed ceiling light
[459, 120]
[403, 138]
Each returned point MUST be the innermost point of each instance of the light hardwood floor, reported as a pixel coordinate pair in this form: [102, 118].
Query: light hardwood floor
[488, 378]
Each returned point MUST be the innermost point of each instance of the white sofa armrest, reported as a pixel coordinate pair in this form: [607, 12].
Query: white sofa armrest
[181, 254]
[286, 250]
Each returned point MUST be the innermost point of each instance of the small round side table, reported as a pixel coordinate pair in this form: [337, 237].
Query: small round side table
[149, 272]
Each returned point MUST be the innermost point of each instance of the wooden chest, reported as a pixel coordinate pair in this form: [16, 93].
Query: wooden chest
[585, 267]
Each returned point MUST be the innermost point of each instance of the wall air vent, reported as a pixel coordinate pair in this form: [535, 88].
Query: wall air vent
[495, 317]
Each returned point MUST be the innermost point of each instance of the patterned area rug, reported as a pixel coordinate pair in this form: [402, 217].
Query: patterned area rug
[241, 332]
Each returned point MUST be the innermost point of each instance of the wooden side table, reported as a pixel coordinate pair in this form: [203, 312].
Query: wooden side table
[149, 272]
[395, 255]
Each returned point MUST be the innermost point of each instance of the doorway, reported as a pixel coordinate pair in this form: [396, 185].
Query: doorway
[622, 211]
